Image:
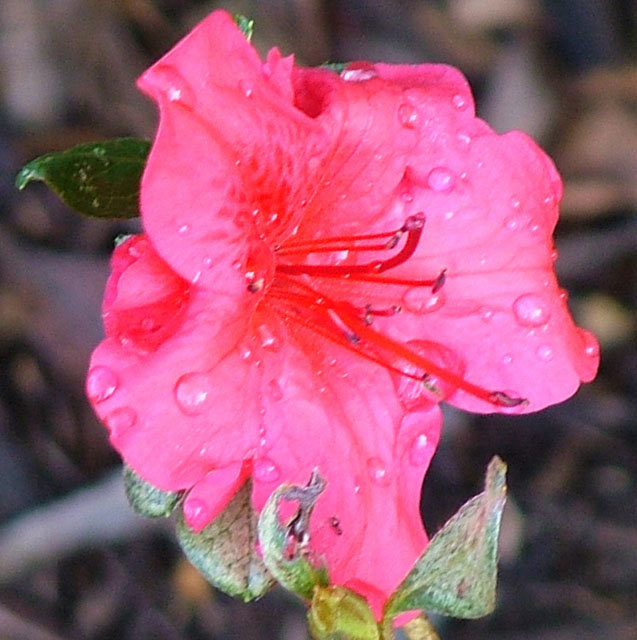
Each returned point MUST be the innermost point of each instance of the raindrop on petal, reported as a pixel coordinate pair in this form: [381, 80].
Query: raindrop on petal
[459, 102]
[544, 352]
[464, 139]
[424, 388]
[174, 85]
[120, 421]
[441, 179]
[275, 391]
[517, 222]
[245, 88]
[591, 346]
[531, 310]
[421, 300]
[265, 470]
[378, 472]
[360, 74]
[193, 393]
[101, 383]
[420, 450]
[408, 115]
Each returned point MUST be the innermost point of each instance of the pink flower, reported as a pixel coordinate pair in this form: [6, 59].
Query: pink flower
[325, 258]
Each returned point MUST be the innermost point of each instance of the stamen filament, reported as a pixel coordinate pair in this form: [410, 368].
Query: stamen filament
[364, 334]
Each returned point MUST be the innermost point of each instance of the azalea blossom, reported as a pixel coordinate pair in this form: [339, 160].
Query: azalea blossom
[325, 258]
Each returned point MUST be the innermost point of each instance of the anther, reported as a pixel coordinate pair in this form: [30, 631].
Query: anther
[439, 281]
[256, 285]
[502, 399]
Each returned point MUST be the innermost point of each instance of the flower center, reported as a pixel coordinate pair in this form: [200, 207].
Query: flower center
[295, 294]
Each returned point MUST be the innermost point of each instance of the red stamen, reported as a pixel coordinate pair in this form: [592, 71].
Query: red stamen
[413, 228]
[359, 336]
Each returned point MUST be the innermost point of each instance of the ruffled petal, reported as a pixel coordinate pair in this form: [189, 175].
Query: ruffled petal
[232, 157]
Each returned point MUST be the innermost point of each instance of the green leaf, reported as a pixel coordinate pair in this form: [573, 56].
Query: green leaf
[457, 574]
[147, 500]
[99, 179]
[225, 551]
[245, 25]
[336, 67]
[283, 546]
[338, 613]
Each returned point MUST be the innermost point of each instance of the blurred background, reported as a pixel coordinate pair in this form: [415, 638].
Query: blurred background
[75, 562]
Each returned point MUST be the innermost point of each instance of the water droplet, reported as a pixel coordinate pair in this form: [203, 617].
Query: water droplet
[423, 388]
[507, 358]
[544, 352]
[591, 346]
[554, 255]
[486, 314]
[275, 391]
[464, 139]
[459, 102]
[196, 513]
[101, 383]
[120, 421]
[173, 84]
[421, 300]
[420, 450]
[515, 203]
[268, 339]
[531, 310]
[441, 179]
[264, 470]
[517, 222]
[361, 73]
[245, 88]
[449, 214]
[378, 472]
[207, 262]
[193, 393]
[408, 115]
[183, 229]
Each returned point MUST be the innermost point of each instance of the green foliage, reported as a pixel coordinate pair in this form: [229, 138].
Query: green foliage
[282, 545]
[98, 179]
[337, 613]
[147, 500]
[457, 574]
[246, 26]
[225, 551]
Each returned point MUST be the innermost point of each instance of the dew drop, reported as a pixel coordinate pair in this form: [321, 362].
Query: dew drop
[531, 310]
[421, 300]
[419, 450]
[245, 88]
[507, 358]
[544, 353]
[120, 421]
[193, 393]
[264, 470]
[517, 222]
[360, 74]
[207, 262]
[378, 472]
[464, 139]
[183, 229]
[174, 85]
[441, 179]
[408, 115]
[423, 388]
[459, 102]
[591, 346]
[101, 383]
[196, 513]
[487, 314]
[268, 339]
[515, 203]
[275, 391]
